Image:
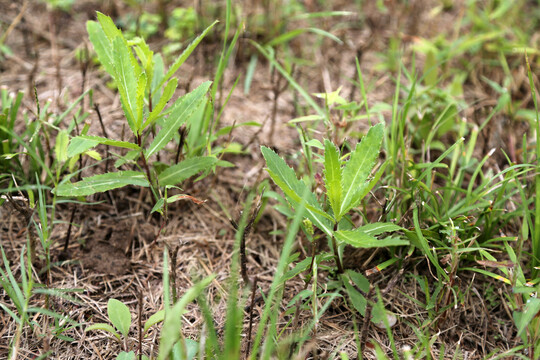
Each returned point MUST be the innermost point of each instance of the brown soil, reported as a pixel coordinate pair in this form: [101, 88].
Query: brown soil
[112, 253]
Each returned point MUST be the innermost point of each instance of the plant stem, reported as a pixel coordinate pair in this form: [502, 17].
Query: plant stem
[145, 164]
[140, 300]
[336, 251]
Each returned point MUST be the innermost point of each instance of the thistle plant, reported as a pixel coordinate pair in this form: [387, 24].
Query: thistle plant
[145, 90]
[347, 182]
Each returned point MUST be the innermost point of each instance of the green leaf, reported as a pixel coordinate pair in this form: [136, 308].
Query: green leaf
[358, 300]
[315, 143]
[359, 280]
[531, 310]
[293, 197]
[185, 169]
[170, 333]
[146, 57]
[154, 319]
[157, 77]
[129, 158]
[332, 172]
[359, 167]
[102, 46]
[82, 143]
[119, 315]
[185, 54]
[183, 108]
[141, 87]
[93, 154]
[126, 80]
[104, 327]
[187, 352]
[126, 355]
[61, 146]
[107, 24]
[101, 183]
[168, 92]
[293, 188]
[360, 239]
[379, 228]
[158, 206]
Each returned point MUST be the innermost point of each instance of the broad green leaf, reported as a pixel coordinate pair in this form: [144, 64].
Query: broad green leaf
[168, 92]
[157, 77]
[379, 228]
[119, 315]
[104, 327]
[187, 352]
[185, 54]
[531, 311]
[180, 113]
[293, 188]
[360, 239]
[108, 26]
[101, 183]
[358, 300]
[154, 319]
[61, 146]
[82, 143]
[126, 355]
[314, 212]
[170, 333]
[315, 143]
[126, 80]
[196, 124]
[359, 167]
[185, 169]
[359, 280]
[158, 206]
[141, 87]
[374, 180]
[332, 178]
[102, 46]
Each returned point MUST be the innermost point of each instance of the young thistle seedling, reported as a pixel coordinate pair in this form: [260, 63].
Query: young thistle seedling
[145, 90]
[347, 183]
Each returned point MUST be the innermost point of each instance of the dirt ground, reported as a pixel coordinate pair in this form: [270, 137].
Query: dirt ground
[112, 253]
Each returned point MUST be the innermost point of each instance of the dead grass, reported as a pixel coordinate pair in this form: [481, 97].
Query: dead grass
[111, 254]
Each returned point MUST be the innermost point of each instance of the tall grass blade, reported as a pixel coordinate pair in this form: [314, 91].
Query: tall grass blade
[271, 301]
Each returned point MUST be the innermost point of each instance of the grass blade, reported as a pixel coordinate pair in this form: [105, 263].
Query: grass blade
[170, 333]
[185, 54]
